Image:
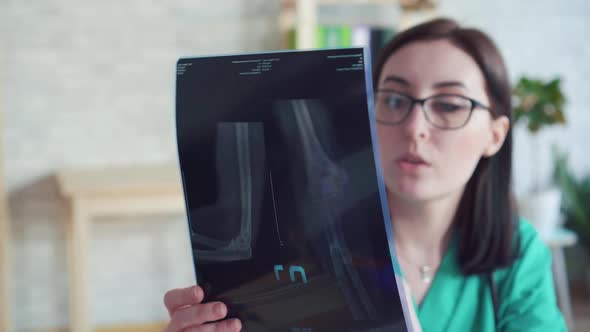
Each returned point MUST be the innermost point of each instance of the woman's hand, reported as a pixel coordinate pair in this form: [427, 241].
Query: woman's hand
[188, 314]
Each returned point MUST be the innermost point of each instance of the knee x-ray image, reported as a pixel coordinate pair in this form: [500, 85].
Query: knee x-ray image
[286, 211]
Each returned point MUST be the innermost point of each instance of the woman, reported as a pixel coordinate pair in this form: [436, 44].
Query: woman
[443, 110]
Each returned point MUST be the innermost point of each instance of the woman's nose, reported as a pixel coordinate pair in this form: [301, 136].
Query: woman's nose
[416, 125]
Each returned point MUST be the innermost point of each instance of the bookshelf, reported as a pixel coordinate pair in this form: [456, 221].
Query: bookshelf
[305, 16]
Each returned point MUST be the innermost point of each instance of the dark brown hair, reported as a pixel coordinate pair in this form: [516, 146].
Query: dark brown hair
[486, 215]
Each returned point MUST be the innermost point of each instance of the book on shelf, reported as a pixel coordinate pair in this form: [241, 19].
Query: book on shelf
[340, 36]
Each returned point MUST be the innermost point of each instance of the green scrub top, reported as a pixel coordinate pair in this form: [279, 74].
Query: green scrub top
[526, 294]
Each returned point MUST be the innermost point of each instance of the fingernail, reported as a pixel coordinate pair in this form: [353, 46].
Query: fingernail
[219, 309]
[198, 293]
[237, 325]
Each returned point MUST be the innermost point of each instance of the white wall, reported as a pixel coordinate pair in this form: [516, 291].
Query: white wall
[88, 83]
[541, 38]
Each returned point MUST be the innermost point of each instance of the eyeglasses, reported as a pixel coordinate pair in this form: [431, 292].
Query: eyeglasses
[443, 111]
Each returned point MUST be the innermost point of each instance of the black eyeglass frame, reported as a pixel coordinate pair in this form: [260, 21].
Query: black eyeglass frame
[474, 105]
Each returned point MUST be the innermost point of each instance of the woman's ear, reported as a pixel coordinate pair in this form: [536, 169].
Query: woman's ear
[499, 129]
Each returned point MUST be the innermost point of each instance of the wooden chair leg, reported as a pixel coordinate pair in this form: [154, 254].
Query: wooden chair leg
[77, 240]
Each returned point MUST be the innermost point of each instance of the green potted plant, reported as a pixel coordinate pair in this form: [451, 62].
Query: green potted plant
[539, 104]
[575, 204]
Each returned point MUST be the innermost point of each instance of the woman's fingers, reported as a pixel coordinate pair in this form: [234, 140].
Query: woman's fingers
[180, 297]
[188, 314]
[197, 314]
[228, 325]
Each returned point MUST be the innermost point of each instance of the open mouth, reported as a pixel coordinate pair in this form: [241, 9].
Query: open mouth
[411, 162]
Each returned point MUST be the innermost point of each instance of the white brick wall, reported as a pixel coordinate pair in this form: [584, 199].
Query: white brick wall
[541, 38]
[88, 83]
[91, 83]
[104, 72]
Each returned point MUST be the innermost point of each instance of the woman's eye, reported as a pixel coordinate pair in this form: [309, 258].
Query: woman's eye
[447, 107]
[449, 104]
[394, 103]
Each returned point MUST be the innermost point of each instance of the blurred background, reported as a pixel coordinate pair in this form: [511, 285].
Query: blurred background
[92, 222]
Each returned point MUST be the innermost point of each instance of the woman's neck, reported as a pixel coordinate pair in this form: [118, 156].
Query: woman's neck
[422, 229]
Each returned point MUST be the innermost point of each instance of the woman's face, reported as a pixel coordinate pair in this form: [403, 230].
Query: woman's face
[422, 162]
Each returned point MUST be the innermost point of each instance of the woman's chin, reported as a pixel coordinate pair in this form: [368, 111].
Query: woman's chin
[417, 192]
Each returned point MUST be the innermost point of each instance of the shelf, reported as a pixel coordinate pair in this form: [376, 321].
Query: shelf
[347, 2]
[288, 15]
[304, 16]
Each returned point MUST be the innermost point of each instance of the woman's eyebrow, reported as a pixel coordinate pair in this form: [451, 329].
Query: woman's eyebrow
[397, 79]
[441, 84]
[446, 84]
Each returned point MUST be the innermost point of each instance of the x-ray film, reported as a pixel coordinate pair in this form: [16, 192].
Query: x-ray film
[286, 209]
